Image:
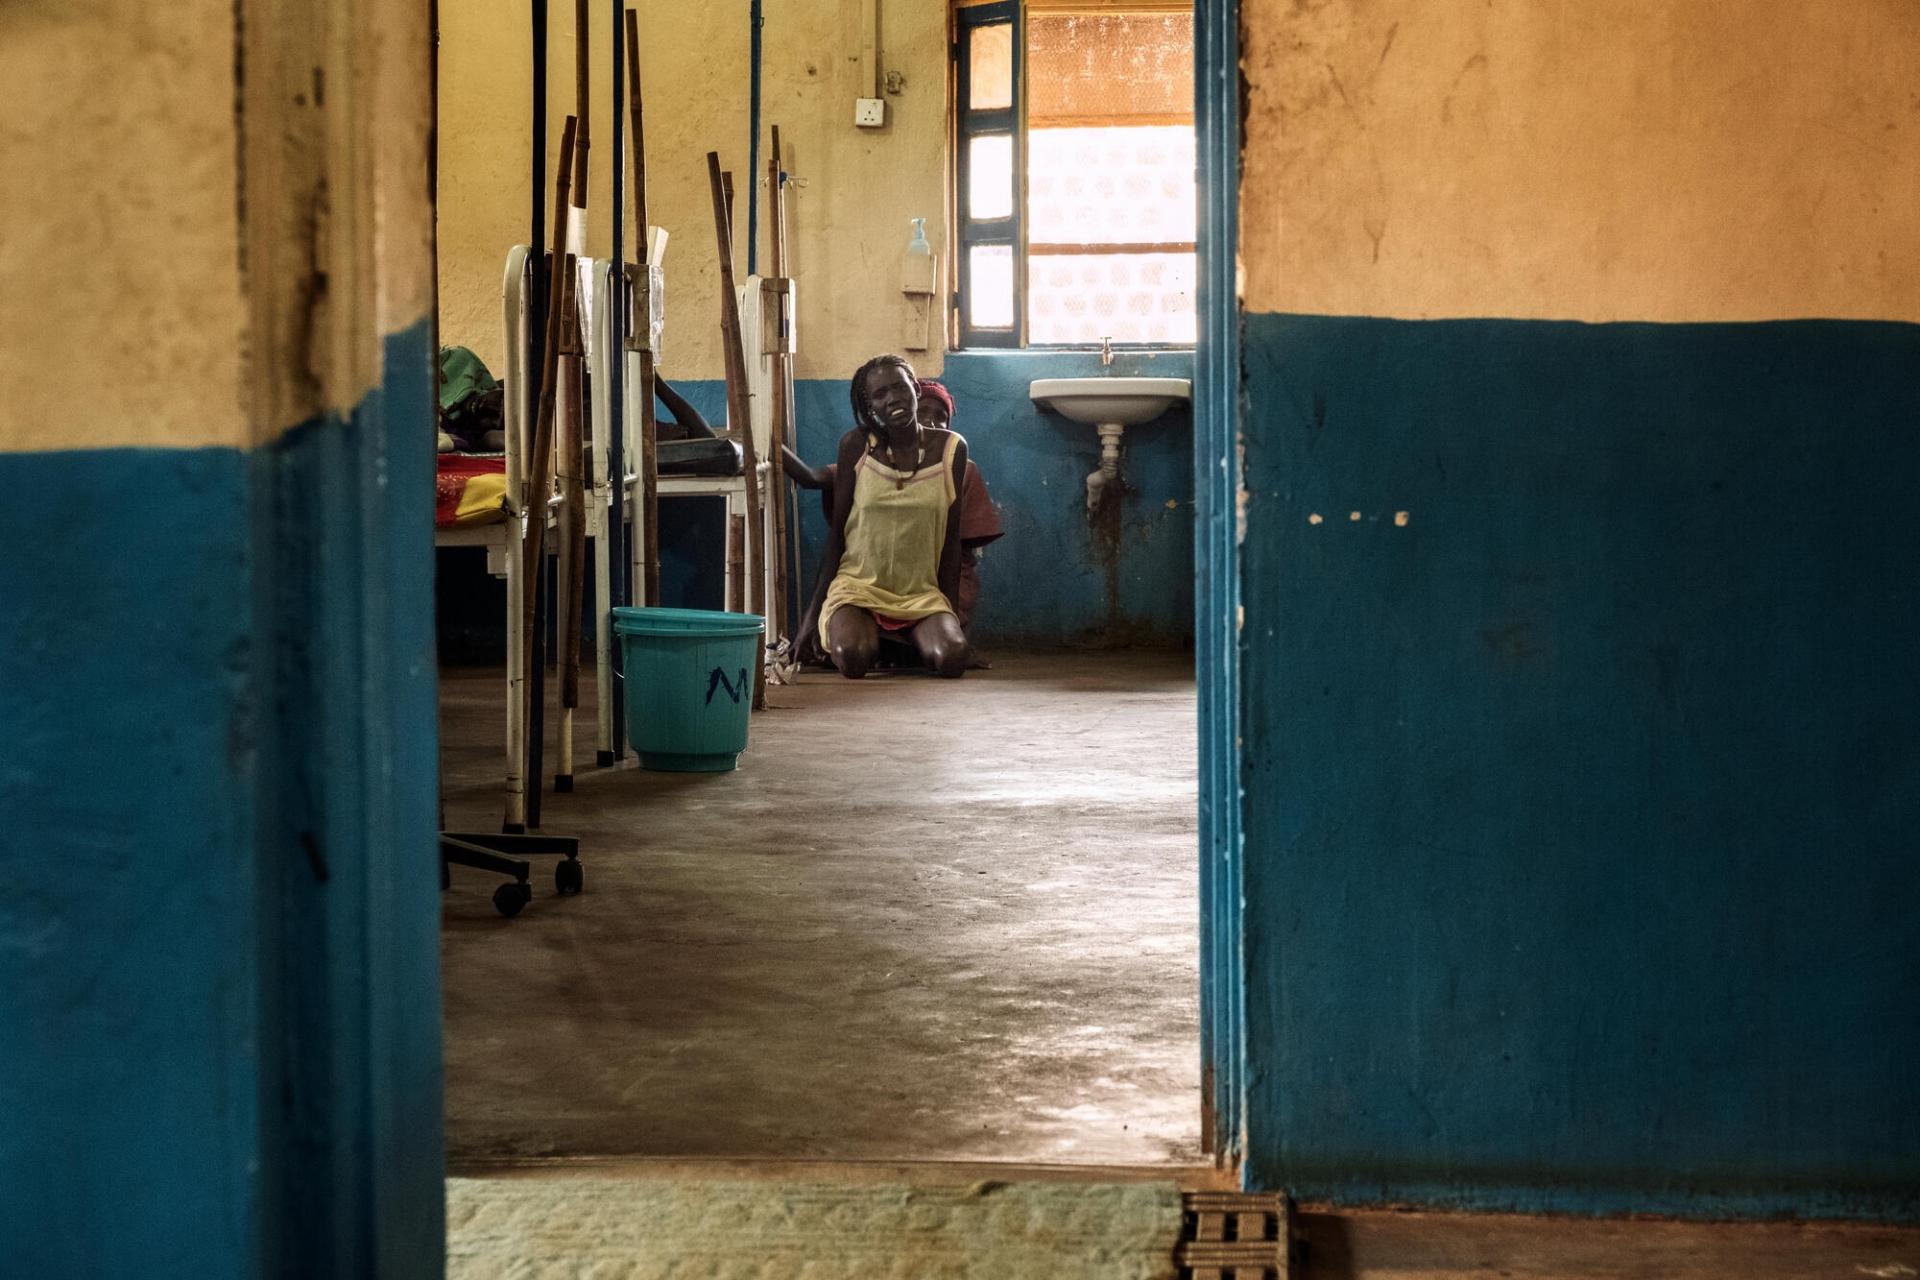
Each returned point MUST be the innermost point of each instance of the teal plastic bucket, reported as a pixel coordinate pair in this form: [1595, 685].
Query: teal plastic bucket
[689, 685]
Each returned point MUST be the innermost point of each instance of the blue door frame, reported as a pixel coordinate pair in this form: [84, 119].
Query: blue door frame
[1216, 422]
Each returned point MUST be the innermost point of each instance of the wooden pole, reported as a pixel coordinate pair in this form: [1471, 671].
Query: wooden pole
[736, 563]
[573, 549]
[582, 100]
[606, 475]
[730, 303]
[776, 205]
[571, 593]
[782, 406]
[540, 484]
[649, 514]
[573, 436]
[738, 413]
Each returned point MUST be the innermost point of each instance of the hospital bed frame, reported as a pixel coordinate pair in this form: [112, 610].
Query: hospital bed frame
[606, 501]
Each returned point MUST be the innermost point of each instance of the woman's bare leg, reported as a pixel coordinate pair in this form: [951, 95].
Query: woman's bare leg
[942, 644]
[853, 640]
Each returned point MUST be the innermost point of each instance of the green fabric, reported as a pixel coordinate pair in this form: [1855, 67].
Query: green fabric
[462, 375]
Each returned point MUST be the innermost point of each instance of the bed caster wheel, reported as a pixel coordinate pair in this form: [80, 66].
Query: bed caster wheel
[510, 897]
[568, 875]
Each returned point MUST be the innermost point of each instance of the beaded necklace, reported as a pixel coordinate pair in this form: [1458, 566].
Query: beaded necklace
[919, 454]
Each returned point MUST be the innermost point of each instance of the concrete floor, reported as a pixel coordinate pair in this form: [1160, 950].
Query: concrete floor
[924, 920]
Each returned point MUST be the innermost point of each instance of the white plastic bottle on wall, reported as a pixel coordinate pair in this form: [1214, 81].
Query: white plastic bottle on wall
[917, 274]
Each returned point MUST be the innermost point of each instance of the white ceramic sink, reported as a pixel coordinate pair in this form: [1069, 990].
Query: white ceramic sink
[1123, 402]
[1112, 405]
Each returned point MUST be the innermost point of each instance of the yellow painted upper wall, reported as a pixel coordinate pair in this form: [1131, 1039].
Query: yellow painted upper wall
[400, 96]
[1671, 160]
[155, 298]
[486, 62]
[847, 214]
[849, 225]
[121, 320]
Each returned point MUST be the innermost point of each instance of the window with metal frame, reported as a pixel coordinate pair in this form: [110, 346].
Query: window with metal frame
[1074, 166]
[988, 179]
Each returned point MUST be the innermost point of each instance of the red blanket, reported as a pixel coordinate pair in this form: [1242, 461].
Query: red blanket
[469, 488]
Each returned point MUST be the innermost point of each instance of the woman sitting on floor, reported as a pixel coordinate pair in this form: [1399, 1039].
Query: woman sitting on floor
[892, 559]
[979, 518]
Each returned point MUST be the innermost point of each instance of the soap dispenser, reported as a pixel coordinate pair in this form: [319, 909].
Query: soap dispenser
[918, 272]
[916, 265]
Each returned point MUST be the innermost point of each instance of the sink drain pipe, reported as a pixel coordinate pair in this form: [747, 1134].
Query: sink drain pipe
[1109, 472]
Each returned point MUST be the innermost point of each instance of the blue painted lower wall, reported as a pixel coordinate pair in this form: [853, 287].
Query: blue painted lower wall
[1054, 578]
[1581, 809]
[128, 929]
[218, 943]
[347, 775]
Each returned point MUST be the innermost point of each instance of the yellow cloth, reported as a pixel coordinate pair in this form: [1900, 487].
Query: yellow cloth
[895, 533]
[483, 501]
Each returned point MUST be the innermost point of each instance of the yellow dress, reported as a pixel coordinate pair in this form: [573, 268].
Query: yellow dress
[895, 534]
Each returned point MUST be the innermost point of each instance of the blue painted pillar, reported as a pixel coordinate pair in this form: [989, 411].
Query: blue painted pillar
[219, 998]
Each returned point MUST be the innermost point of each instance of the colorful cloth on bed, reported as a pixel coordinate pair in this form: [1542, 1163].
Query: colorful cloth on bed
[462, 376]
[469, 489]
[472, 403]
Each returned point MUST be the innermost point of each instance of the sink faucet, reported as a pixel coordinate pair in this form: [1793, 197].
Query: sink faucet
[1106, 353]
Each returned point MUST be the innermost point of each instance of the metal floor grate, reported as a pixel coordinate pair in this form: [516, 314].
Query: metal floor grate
[1231, 1235]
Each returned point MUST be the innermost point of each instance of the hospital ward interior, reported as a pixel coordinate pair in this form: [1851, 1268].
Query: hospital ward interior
[820, 780]
[960, 639]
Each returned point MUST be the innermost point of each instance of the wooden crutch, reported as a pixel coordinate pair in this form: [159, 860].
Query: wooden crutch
[641, 332]
[571, 597]
[736, 564]
[540, 483]
[738, 413]
[782, 402]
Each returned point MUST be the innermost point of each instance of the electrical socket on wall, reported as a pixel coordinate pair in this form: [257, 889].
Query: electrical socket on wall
[869, 113]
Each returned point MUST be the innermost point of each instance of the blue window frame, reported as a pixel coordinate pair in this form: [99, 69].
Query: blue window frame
[1075, 210]
[989, 175]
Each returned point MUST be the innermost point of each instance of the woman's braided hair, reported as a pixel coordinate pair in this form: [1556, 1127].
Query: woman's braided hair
[862, 411]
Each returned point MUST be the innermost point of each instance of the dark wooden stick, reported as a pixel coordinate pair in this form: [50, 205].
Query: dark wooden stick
[776, 204]
[736, 563]
[738, 413]
[572, 593]
[534, 550]
[639, 133]
[582, 103]
[731, 301]
[782, 401]
[573, 507]
[649, 514]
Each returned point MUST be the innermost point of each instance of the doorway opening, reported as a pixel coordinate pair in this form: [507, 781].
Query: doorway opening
[925, 920]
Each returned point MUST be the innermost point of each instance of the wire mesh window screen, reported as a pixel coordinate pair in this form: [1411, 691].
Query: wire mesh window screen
[1109, 68]
[1126, 185]
[1080, 298]
[1111, 205]
[1078, 212]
